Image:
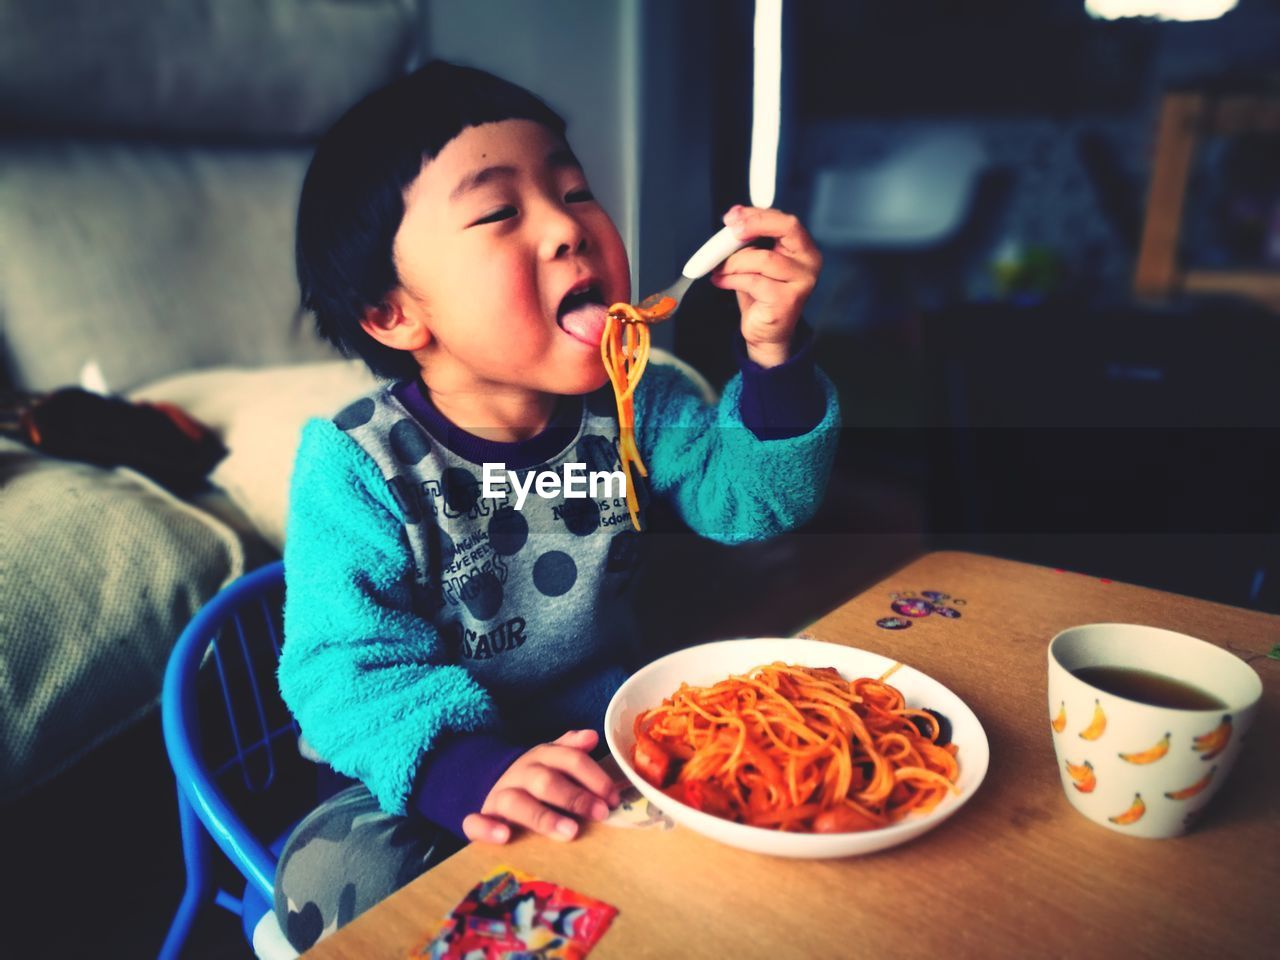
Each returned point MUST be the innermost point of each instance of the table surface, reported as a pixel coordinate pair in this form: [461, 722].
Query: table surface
[1016, 872]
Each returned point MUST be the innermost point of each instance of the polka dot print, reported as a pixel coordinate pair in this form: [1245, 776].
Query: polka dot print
[408, 443]
[460, 490]
[554, 573]
[508, 532]
[483, 595]
[356, 414]
[581, 517]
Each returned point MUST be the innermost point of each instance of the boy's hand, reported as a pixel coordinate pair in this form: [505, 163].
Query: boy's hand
[772, 285]
[542, 786]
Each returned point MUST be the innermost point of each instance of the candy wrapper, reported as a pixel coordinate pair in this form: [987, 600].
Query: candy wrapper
[510, 914]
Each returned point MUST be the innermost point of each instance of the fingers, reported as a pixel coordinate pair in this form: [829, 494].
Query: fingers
[793, 240]
[760, 289]
[578, 765]
[771, 291]
[520, 808]
[578, 739]
[481, 829]
[552, 787]
[767, 263]
[545, 790]
[773, 284]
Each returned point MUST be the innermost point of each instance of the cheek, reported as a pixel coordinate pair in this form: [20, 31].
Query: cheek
[505, 284]
[615, 255]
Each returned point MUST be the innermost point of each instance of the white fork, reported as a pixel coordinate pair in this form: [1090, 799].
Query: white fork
[708, 256]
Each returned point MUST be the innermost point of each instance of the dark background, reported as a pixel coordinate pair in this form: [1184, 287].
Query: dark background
[1061, 422]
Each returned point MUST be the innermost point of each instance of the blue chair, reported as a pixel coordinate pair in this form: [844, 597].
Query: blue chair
[233, 745]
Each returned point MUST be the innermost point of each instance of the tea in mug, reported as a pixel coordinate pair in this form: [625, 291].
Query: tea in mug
[1143, 686]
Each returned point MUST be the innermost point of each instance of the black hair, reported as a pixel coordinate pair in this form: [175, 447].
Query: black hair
[352, 198]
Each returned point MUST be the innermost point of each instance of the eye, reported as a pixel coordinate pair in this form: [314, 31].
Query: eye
[580, 196]
[502, 213]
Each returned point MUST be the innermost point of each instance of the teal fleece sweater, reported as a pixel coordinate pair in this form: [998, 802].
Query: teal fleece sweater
[364, 667]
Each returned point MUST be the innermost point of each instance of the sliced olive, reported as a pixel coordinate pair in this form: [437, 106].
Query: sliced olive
[944, 727]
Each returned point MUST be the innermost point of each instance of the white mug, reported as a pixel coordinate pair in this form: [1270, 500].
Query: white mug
[1134, 767]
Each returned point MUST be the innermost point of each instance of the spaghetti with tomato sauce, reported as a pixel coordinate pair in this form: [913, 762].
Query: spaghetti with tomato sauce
[797, 748]
[624, 348]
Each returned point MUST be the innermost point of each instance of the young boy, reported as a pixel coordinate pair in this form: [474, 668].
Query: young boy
[449, 651]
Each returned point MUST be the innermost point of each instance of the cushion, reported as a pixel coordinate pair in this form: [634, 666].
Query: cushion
[148, 261]
[231, 70]
[103, 569]
[259, 413]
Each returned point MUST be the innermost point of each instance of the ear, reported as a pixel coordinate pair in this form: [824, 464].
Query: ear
[397, 323]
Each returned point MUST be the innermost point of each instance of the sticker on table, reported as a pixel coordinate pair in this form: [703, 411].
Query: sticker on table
[893, 623]
[951, 613]
[633, 810]
[510, 913]
[935, 596]
[912, 607]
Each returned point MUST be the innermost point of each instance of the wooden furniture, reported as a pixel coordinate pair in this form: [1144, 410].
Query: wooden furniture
[1185, 118]
[1015, 873]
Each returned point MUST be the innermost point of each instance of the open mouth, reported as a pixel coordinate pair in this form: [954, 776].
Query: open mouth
[582, 314]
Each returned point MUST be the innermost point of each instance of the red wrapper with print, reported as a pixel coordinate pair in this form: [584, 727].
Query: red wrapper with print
[510, 912]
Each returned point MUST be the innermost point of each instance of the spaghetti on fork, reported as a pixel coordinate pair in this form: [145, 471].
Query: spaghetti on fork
[624, 348]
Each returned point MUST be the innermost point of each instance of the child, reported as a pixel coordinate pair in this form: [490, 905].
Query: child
[451, 653]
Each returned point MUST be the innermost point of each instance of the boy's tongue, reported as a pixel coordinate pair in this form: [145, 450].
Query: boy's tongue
[585, 323]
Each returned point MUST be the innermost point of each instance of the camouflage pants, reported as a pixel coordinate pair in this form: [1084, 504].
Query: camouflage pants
[344, 857]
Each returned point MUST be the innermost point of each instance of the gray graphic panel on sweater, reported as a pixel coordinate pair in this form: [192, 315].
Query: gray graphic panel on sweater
[523, 598]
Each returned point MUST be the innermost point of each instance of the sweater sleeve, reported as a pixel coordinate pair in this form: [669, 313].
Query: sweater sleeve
[726, 483]
[367, 679]
[456, 777]
[777, 403]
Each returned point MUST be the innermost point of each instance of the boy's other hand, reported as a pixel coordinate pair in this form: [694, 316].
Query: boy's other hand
[772, 285]
[545, 790]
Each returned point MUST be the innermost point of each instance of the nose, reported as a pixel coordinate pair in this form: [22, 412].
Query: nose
[561, 233]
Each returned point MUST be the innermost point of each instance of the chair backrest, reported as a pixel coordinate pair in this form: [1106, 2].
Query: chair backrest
[230, 739]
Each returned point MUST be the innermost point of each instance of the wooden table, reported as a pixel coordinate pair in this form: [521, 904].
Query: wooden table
[1016, 873]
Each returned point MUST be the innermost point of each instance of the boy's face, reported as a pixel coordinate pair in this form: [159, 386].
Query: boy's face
[499, 229]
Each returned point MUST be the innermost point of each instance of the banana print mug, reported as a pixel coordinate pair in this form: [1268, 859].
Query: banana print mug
[1146, 723]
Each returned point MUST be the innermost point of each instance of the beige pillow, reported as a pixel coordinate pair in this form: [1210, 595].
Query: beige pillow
[259, 414]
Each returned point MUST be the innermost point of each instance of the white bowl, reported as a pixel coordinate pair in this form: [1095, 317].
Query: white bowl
[711, 662]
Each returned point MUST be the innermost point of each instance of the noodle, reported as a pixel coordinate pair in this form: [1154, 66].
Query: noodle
[796, 748]
[625, 365]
